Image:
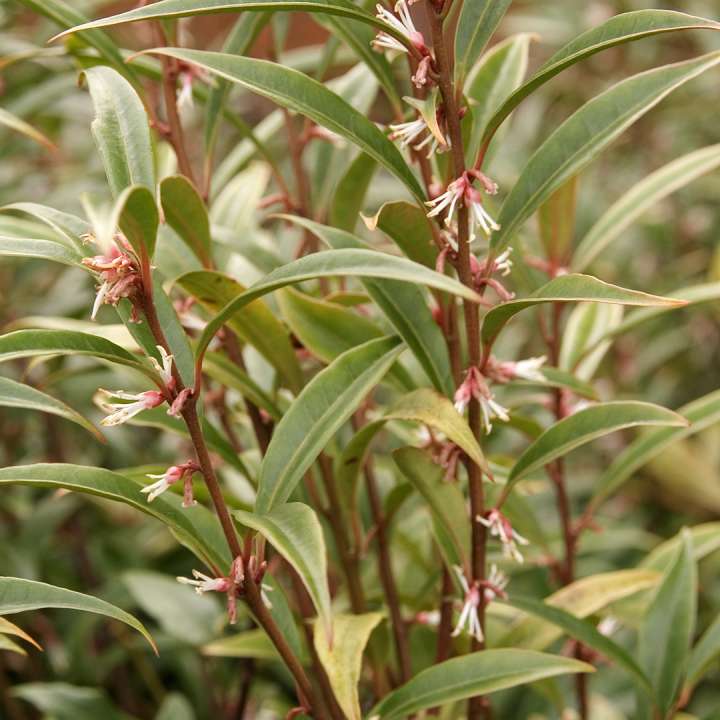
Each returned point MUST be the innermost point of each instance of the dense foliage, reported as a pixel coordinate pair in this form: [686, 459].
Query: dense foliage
[390, 331]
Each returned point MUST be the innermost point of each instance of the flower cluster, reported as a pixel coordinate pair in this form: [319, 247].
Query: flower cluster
[476, 593]
[507, 370]
[462, 191]
[475, 386]
[418, 131]
[500, 527]
[232, 584]
[401, 21]
[172, 475]
[119, 274]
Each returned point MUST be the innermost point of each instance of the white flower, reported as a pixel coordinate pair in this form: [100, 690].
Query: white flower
[119, 274]
[469, 620]
[204, 583]
[503, 264]
[185, 96]
[495, 584]
[412, 131]
[500, 527]
[474, 386]
[164, 371]
[530, 369]
[164, 481]
[403, 23]
[489, 409]
[123, 411]
[448, 199]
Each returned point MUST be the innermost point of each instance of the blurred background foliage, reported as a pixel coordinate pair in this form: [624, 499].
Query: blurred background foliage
[90, 668]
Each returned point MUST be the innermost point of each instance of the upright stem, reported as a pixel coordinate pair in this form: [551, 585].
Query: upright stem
[478, 705]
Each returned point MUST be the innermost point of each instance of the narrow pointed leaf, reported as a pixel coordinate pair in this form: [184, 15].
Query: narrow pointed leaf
[569, 288]
[700, 414]
[18, 595]
[587, 425]
[121, 130]
[638, 199]
[186, 214]
[341, 655]
[584, 135]
[479, 673]
[37, 343]
[405, 307]
[623, 28]
[324, 405]
[299, 93]
[350, 194]
[17, 395]
[358, 263]
[19, 125]
[477, 22]
[704, 654]
[138, 219]
[39, 249]
[668, 625]
[195, 527]
[248, 644]
[295, 532]
[586, 633]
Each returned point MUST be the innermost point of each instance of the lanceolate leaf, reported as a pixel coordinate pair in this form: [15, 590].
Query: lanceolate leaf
[195, 527]
[479, 673]
[295, 532]
[34, 343]
[586, 633]
[299, 93]
[569, 288]
[587, 425]
[186, 214]
[405, 307]
[315, 416]
[256, 324]
[704, 654]
[39, 249]
[585, 134]
[247, 644]
[121, 130]
[350, 193]
[17, 395]
[19, 125]
[668, 626]
[341, 656]
[18, 595]
[138, 219]
[476, 25]
[700, 414]
[617, 30]
[639, 198]
[358, 263]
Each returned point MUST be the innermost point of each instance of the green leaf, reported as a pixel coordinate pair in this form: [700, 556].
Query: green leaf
[299, 93]
[37, 343]
[186, 214]
[323, 406]
[17, 395]
[19, 125]
[587, 425]
[444, 499]
[121, 130]
[295, 532]
[8, 628]
[18, 595]
[40, 249]
[584, 135]
[652, 188]
[569, 288]
[61, 701]
[557, 221]
[341, 656]
[196, 528]
[138, 218]
[256, 324]
[404, 306]
[186, 8]
[357, 263]
[586, 633]
[350, 193]
[478, 673]
[704, 654]
[700, 414]
[619, 29]
[477, 22]
[430, 408]
[248, 644]
[408, 227]
[69, 227]
[491, 80]
[668, 625]
[581, 598]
